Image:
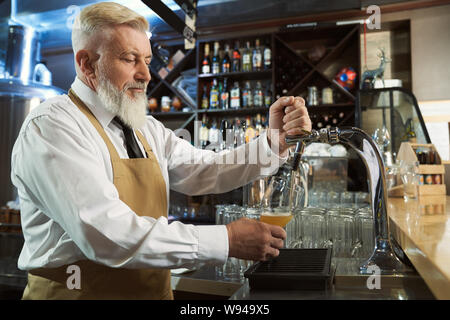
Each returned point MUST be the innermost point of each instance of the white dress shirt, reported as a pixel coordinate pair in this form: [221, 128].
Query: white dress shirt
[70, 208]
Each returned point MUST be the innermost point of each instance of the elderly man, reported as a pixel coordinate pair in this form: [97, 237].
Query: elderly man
[95, 199]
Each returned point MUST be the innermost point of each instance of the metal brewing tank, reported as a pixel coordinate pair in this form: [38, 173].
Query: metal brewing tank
[19, 93]
[16, 100]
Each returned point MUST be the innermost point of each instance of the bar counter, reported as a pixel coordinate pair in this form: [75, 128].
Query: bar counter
[422, 229]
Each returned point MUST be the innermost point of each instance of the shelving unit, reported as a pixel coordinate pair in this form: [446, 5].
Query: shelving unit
[295, 71]
[291, 73]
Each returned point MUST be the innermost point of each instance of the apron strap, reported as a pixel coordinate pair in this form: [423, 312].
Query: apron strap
[144, 142]
[88, 113]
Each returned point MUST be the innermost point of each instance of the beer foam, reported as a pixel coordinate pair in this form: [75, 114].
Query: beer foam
[276, 214]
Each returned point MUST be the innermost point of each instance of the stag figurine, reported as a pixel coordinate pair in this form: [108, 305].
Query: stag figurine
[369, 76]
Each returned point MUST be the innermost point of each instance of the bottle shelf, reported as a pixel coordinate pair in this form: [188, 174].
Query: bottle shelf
[249, 75]
[172, 115]
[233, 112]
[331, 106]
[211, 112]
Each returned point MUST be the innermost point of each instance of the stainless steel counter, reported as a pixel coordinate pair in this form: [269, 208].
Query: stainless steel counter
[347, 284]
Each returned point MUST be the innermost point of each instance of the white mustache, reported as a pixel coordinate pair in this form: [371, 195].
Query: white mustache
[136, 85]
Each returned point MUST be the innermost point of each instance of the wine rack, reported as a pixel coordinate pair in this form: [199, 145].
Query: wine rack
[310, 57]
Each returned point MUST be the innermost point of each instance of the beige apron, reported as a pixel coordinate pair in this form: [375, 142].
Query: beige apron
[142, 187]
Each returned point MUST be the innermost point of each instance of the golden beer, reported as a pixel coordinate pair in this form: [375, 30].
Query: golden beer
[279, 219]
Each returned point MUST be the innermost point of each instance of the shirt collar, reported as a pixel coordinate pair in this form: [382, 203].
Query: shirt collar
[93, 102]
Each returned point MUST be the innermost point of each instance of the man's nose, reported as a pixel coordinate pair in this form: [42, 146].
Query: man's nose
[143, 73]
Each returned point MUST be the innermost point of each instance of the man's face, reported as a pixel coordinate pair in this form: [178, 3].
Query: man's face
[122, 74]
[125, 59]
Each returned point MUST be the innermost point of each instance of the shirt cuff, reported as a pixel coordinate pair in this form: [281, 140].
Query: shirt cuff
[213, 244]
[266, 146]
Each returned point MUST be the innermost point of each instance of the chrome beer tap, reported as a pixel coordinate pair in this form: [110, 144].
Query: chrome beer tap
[383, 256]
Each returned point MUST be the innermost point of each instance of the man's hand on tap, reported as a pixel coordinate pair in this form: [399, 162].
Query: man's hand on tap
[287, 116]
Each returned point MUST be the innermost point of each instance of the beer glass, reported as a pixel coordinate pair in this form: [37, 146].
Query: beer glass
[276, 203]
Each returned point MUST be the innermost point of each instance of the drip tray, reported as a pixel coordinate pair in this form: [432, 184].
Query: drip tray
[293, 269]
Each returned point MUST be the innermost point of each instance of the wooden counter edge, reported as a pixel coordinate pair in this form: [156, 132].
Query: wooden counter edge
[436, 280]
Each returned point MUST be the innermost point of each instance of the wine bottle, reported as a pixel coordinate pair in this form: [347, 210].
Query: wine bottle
[226, 64]
[257, 57]
[236, 61]
[247, 58]
[214, 95]
[258, 96]
[206, 63]
[225, 96]
[247, 97]
[267, 57]
[205, 100]
[235, 96]
[216, 59]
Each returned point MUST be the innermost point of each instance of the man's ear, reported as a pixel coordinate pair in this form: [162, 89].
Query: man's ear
[86, 63]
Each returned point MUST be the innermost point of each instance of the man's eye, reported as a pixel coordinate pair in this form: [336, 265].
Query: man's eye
[129, 60]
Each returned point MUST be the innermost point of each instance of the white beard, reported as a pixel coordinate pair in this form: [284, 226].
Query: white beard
[131, 111]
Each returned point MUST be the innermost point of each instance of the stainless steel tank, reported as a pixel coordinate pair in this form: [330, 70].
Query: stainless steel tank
[16, 100]
[19, 93]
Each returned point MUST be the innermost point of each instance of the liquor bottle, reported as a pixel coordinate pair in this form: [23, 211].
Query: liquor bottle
[205, 100]
[247, 96]
[258, 97]
[265, 122]
[225, 95]
[216, 59]
[258, 125]
[247, 58]
[235, 96]
[227, 141]
[268, 97]
[206, 63]
[267, 56]
[213, 137]
[250, 132]
[236, 61]
[238, 132]
[214, 95]
[257, 58]
[226, 63]
[204, 133]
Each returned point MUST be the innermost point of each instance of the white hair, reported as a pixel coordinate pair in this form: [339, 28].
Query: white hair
[100, 17]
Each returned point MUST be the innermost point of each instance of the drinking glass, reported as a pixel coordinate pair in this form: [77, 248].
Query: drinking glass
[231, 270]
[276, 203]
[409, 173]
[365, 236]
[362, 199]
[340, 227]
[333, 199]
[220, 208]
[347, 199]
[313, 228]
[293, 229]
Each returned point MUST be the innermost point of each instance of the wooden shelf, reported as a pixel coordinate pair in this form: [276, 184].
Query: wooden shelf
[233, 112]
[171, 115]
[250, 75]
[333, 105]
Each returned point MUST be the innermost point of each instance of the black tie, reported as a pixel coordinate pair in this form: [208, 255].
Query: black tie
[132, 146]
